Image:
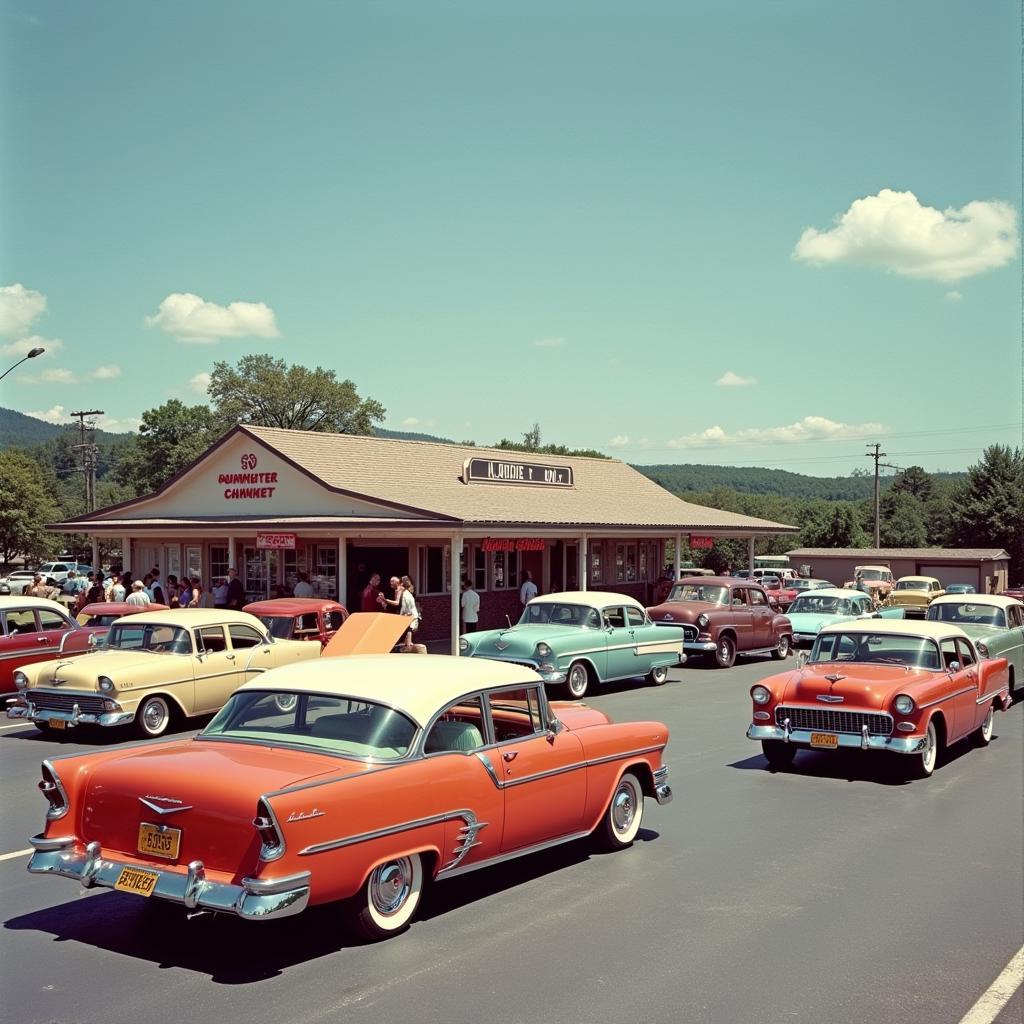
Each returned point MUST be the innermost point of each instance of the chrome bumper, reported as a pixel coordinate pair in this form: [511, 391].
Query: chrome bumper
[847, 741]
[662, 790]
[71, 718]
[704, 646]
[256, 899]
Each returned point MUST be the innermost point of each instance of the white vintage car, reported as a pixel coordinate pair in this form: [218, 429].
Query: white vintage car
[153, 668]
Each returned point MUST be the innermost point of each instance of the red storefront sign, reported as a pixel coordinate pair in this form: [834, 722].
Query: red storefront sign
[276, 541]
[701, 543]
[512, 544]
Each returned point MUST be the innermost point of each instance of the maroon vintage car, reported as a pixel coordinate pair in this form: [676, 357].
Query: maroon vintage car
[104, 613]
[299, 618]
[36, 629]
[724, 616]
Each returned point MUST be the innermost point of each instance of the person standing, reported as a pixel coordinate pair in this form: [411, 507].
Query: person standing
[407, 606]
[220, 593]
[470, 606]
[138, 594]
[156, 590]
[368, 598]
[117, 591]
[303, 588]
[236, 592]
[40, 588]
[528, 591]
[393, 603]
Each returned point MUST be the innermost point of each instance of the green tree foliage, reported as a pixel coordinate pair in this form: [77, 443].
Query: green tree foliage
[915, 482]
[531, 443]
[836, 525]
[26, 506]
[987, 509]
[170, 437]
[902, 521]
[267, 392]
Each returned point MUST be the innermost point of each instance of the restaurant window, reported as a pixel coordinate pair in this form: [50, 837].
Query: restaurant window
[479, 568]
[218, 561]
[597, 563]
[290, 562]
[620, 563]
[434, 565]
[504, 570]
[644, 554]
[631, 563]
[194, 561]
[325, 575]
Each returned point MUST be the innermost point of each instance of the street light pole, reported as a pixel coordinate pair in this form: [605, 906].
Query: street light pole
[32, 353]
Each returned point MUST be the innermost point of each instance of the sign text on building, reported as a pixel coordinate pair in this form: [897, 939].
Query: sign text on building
[701, 543]
[512, 544]
[505, 471]
[276, 541]
[256, 483]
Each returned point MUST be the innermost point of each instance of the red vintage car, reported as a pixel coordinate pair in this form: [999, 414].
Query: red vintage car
[36, 629]
[355, 779]
[299, 618]
[103, 613]
[724, 616]
[909, 688]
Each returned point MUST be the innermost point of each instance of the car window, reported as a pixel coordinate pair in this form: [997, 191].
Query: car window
[739, 599]
[964, 651]
[211, 639]
[243, 636]
[635, 616]
[21, 620]
[460, 727]
[949, 655]
[52, 621]
[514, 713]
[757, 599]
[615, 617]
[307, 624]
[335, 619]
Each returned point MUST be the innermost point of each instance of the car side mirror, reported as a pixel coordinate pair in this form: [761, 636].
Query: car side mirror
[954, 666]
[554, 728]
[801, 658]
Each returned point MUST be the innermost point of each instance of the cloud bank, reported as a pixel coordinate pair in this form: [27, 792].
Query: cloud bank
[20, 307]
[190, 318]
[810, 428]
[893, 230]
[734, 380]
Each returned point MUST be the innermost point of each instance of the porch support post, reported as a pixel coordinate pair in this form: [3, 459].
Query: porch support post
[750, 552]
[95, 551]
[126, 555]
[342, 572]
[456, 584]
[584, 574]
[677, 565]
[232, 557]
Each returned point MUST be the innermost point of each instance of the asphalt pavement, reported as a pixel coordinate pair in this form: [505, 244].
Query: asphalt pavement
[834, 891]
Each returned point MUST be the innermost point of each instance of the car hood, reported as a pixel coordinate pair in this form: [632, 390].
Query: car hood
[206, 788]
[520, 641]
[980, 631]
[861, 686]
[811, 622]
[83, 670]
[681, 611]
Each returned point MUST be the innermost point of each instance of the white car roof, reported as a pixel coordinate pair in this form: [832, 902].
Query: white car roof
[18, 601]
[592, 598]
[898, 627]
[831, 592]
[417, 685]
[917, 579]
[993, 600]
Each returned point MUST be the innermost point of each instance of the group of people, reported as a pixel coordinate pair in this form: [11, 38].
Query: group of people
[374, 598]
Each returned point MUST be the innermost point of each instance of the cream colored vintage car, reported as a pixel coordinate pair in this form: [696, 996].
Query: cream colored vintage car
[153, 668]
[913, 594]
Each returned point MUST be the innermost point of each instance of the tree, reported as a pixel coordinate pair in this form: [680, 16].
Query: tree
[836, 525]
[267, 392]
[170, 437]
[915, 482]
[987, 509]
[25, 507]
[903, 524]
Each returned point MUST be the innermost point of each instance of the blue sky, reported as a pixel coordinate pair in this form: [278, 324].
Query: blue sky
[759, 233]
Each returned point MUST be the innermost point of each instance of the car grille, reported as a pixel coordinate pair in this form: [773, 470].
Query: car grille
[90, 704]
[689, 631]
[834, 720]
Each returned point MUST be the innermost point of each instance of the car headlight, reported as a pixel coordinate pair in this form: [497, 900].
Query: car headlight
[20, 680]
[106, 684]
[982, 649]
[464, 647]
[903, 704]
[703, 621]
[543, 651]
[760, 694]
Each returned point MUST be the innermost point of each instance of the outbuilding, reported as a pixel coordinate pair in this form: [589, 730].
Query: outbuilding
[274, 503]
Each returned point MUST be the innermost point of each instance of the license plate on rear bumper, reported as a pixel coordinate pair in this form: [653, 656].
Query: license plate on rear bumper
[136, 880]
[159, 841]
[825, 740]
[56, 723]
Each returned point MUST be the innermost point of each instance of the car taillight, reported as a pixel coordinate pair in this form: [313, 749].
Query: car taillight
[51, 788]
[270, 836]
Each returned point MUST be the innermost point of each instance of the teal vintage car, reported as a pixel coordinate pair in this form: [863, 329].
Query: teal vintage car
[580, 638]
[814, 609]
[994, 623]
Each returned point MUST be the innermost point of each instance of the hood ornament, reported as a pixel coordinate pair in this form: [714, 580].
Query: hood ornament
[831, 698]
[501, 645]
[667, 617]
[148, 799]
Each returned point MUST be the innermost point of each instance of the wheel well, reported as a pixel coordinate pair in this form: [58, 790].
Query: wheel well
[642, 770]
[940, 727]
[173, 705]
[728, 633]
[591, 671]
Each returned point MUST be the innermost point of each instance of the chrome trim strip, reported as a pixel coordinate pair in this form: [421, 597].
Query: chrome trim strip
[52, 813]
[471, 820]
[267, 886]
[164, 810]
[949, 696]
[525, 851]
[848, 741]
[509, 783]
[990, 696]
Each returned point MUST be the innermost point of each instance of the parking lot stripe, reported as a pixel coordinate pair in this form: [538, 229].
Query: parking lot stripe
[998, 994]
[17, 725]
[17, 853]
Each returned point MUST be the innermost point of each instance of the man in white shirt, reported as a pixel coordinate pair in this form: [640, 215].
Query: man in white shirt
[470, 607]
[303, 588]
[138, 594]
[528, 591]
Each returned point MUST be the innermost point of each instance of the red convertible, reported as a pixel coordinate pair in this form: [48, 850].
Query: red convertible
[909, 688]
[356, 779]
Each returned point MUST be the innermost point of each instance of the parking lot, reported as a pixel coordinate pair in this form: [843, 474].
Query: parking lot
[833, 891]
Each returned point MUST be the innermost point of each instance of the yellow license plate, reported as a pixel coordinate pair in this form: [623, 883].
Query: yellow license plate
[826, 740]
[159, 841]
[136, 880]
[57, 723]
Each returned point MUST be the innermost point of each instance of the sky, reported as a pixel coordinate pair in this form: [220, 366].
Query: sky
[747, 233]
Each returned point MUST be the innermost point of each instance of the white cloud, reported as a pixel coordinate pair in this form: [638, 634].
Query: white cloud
[734, 380]
[20, 348]
[122, 425]
[810, 428]
[548, 343]
[410, 421]
[189, 318]
[58, 375]
[109, 372]
[893, 230]
[953, 296]
[199, 383]
[20, 307]
[619, 441]
[54, 415]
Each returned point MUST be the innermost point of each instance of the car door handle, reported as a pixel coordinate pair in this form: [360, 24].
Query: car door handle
[230, 657]
[42, 639]
[510, 755]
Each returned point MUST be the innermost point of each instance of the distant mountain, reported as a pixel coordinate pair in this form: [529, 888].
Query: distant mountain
[405, 435]
[20, 431]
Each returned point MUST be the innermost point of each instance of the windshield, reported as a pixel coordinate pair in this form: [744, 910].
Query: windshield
[871, 574]
[279, 626]
[699, 592]
[981, 614]
[153, 636]
[53, 567]
[335, 725]
[813, 604]
[910, 651]
[912, 585]
[558, 614]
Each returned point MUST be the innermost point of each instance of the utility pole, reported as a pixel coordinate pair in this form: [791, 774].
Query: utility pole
[876, 455]
[88, 451]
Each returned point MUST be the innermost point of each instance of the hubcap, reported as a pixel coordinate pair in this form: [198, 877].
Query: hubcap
[623, 809]
[389, 886]
[577, 680]
[929, 747]
[987, 724]
[154, 716]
